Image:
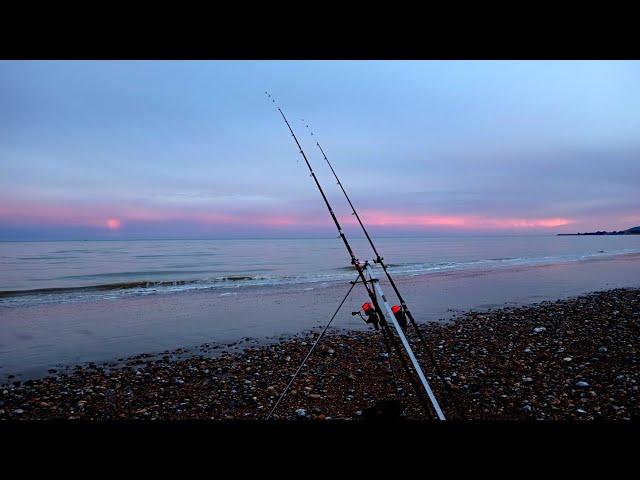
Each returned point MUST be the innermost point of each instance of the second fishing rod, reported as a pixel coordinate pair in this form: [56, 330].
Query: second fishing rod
[380, 261]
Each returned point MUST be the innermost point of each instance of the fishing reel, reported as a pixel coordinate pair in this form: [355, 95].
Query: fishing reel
[371, 315]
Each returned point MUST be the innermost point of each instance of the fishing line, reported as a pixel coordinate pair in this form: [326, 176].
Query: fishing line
[284, 392]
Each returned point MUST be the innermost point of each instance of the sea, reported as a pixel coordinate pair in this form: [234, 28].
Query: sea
[34, 273]
[69, 302]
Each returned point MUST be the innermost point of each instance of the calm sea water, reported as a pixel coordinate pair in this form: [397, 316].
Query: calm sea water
[62, 272]
[66, 303]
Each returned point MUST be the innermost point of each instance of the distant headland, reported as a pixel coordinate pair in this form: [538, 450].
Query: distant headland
[629, 231]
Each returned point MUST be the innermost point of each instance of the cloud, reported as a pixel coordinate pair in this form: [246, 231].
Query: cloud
[173, 148]
[391, 219]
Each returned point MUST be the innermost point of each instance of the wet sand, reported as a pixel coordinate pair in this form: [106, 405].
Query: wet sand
[574, 358]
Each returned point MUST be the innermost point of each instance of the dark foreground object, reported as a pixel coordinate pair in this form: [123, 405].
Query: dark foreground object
[570, 359]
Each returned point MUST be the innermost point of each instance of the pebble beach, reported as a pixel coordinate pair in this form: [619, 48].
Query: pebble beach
[572, 359]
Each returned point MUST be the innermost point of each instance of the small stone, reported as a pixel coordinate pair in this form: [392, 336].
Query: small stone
[602, 349]
[567, 359]
[539, 329]
[18, 411]
[301, 412]
[582, 384]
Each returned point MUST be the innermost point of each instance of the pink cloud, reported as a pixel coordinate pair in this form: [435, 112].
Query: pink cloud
[113, 218]
[389, 219]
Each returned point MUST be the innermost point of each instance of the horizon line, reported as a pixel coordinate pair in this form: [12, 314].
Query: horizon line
[324, 237]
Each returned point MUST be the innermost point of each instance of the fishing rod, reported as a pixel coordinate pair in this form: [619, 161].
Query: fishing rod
[380, 261]
[371, 291]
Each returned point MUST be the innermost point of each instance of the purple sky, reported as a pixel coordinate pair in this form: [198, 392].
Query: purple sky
[194, 149]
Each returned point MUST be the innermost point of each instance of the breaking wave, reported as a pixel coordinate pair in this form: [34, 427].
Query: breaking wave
[112, 290]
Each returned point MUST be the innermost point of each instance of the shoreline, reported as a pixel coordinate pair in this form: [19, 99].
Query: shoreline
[54, 336]
[226, 286]
[574, 358]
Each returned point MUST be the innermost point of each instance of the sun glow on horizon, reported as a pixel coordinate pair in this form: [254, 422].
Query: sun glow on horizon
[65, 215]
[113, 224]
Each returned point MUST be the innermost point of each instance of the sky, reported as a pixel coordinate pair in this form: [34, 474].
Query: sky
[194, 149]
